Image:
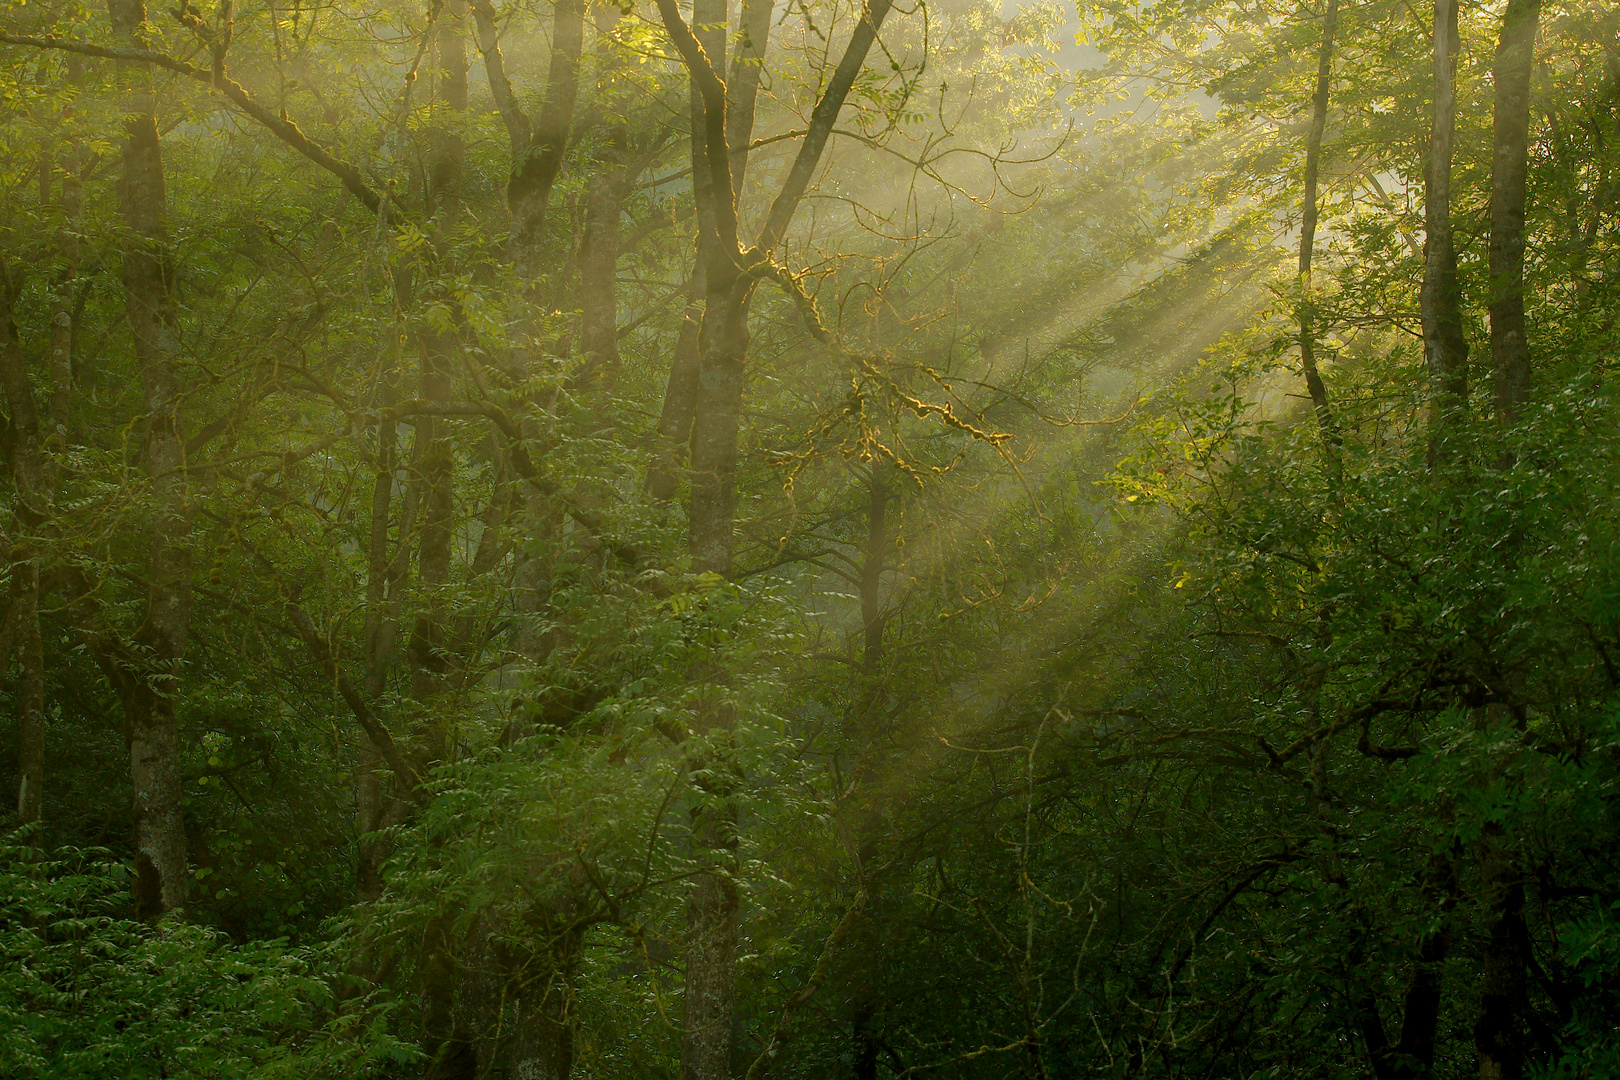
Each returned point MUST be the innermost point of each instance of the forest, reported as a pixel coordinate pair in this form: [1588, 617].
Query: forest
[708, 539]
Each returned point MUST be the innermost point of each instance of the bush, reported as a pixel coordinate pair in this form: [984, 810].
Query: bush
[87, 993]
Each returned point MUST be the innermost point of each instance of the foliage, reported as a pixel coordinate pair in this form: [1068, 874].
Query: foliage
[89, 993]
[1077, 702]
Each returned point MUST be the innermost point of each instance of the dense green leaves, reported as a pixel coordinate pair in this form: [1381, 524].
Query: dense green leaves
[86, 992]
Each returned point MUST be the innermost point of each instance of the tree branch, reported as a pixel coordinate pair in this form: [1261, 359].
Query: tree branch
[380, 738]
[517, 124]
[712, 90]
[821, 121]
[280, 126]
[784, 1027]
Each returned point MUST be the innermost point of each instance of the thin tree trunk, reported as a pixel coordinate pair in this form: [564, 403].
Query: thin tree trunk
[381, 630]
[453, 1053]
[742, 88]
[681, 391]
[714, 903]
[387, 581]
[1444, 345]
[1412, 1056]
[542, 1046]
[439, 351]
[62, 294]
[716, 421]
[1504, 1003]
[150, 694]
[1307, 235]
[1499, 1032]
[1510, 350]
[711, 509]
[535, 164]
[709, 992]
[537, 147]
[24, 615]
[453, 1049]
[598, 269]
[605, 191]
[872, 565]
[864, 700]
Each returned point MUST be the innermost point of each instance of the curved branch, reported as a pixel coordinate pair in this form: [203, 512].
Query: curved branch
[821, 120]
[500, 88]
[279, 125]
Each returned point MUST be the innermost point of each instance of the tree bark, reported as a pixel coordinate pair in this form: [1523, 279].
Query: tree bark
[1510, 160]
[1307, 234]
[543, 1020]
[598, 269]
[717, 419]
[742, 87]
[1445, 347]
[1412, 1056]
[381, 632]
[872, 566]
[868, 825]
[439, 350]
[149, 694]
[30, 687]
[709, 992]
[680, 391]
[454, 1049]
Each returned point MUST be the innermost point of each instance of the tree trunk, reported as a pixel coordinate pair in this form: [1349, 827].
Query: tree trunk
[605, 191]
[681, 391]
[869, 823]
[1412, 1056]
[543, 1022]
[1445, 347]
[440, 349]
[1307, 234]
[30, 686]
[742, 88]
[1510, 350]
[716, 420]
[1499, 1032]
[535, 165]
[30, 649]
[454, 1049]
[150, 693]
[62, 294]
[711, 509]
[381, 631]
[598, 269]
[452, 1053]
[709, 992]
[877, 543]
